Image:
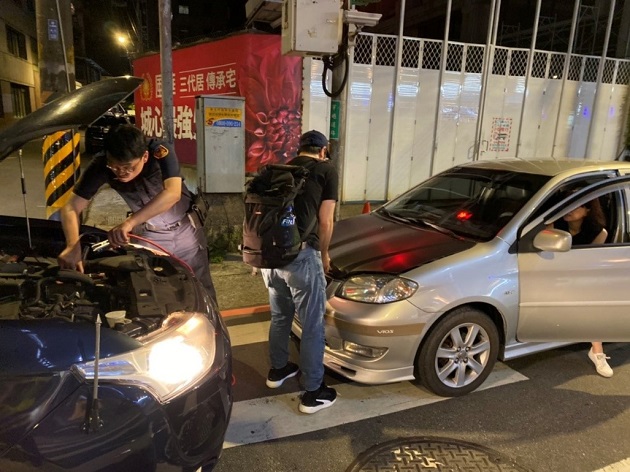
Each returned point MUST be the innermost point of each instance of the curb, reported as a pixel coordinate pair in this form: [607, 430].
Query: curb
[251, 310]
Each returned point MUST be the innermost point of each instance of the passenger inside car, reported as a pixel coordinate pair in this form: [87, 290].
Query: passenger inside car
[587, 225]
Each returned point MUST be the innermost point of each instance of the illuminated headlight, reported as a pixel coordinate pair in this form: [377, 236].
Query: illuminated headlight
[365, 351]
[377, 288]
[171, 359]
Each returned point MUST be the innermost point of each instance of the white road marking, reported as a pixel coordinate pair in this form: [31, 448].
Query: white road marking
[621, 466]
[267, 418]
[249, 333]
[264, 419]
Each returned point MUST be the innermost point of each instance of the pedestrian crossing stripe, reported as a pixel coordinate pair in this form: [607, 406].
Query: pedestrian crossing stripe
[274, 417]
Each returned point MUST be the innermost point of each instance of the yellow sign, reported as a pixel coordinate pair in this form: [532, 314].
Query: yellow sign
[224, 117]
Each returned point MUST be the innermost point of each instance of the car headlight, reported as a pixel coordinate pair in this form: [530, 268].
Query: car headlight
[377, 288]
[171, 359]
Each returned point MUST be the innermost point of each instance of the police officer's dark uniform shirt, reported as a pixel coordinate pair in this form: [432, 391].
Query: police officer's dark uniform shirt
[162, 164]
[322, 184]
[171, 229]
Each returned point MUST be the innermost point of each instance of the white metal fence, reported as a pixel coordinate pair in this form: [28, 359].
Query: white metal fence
[383, 159]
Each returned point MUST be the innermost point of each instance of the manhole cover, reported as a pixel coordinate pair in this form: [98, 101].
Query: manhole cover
[434, 454]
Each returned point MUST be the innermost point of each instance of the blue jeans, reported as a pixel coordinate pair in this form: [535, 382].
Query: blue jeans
[298, 287]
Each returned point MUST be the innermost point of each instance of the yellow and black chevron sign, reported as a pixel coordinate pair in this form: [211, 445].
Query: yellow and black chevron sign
[60, 152]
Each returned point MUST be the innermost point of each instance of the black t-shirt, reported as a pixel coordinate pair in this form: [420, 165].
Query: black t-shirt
[588, 232]
[322, 184]
[161, 165]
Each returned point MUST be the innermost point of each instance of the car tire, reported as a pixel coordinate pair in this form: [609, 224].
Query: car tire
[445, 364]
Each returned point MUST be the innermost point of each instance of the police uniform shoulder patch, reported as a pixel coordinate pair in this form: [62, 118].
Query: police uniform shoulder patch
[160, 152]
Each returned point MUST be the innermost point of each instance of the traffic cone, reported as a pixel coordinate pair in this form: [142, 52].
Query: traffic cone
[366, 207]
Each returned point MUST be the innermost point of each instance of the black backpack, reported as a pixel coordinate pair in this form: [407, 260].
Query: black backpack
[270, 231]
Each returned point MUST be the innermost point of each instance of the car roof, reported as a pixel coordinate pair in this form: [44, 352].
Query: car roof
[549, 167]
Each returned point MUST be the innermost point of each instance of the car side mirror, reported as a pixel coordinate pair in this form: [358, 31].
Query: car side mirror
[553, 240]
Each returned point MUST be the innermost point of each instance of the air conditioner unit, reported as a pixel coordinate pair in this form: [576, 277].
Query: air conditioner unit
[311, 28]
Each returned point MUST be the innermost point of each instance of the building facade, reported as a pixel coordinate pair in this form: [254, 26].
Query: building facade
[19, 71]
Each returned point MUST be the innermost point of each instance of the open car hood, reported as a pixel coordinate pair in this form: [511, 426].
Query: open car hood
[79, 107]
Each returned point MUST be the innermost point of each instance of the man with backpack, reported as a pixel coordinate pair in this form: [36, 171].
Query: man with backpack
[300, 286]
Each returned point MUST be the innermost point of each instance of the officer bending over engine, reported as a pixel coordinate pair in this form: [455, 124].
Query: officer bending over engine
[147, 177]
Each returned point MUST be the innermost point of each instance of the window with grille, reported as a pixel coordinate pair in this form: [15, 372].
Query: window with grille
[21, 100]
[556, 66]
[16, 43]
[454, 57]
[623, 74]
[474, 59]
[363, 50]
[411, 53]
[591, 65]
[386, 51]
[539, 66]
[499, 65]
[518, 63]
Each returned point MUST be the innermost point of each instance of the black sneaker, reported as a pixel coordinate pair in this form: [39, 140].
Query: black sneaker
[277, 376]
[321, 398]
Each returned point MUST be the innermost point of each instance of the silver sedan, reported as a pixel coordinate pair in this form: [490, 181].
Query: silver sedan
[467, 268]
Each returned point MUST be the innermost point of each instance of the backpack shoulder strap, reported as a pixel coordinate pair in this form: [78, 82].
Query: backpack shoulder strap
[310, 166]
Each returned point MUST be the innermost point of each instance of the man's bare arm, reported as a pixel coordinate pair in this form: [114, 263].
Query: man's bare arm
[325, 230]
[70, 257]
[162, 202]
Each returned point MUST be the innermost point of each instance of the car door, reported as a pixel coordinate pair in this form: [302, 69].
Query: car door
[579, 293]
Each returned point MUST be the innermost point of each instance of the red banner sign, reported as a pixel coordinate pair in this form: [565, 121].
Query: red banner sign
[249, 66]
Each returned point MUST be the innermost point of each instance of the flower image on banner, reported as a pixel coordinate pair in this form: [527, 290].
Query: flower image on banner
[272, 87]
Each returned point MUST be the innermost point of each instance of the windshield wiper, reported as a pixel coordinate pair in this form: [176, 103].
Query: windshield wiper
[439, 229]
[423, 221]
[393, 216]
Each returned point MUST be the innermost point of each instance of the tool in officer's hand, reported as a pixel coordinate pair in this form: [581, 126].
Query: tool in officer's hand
[96, 247]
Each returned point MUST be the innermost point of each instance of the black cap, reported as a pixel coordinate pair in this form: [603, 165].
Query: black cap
[314, 139]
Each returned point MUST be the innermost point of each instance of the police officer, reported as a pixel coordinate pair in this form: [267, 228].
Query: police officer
[147, 177]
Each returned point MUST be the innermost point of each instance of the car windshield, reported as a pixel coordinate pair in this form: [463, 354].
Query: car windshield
[465, 202]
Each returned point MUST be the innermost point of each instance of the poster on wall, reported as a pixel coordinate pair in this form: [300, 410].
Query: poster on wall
[222, 117]
[500, 135]
[248, 65]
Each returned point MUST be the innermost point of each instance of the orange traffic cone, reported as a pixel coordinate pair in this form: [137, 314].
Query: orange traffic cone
[366, 207]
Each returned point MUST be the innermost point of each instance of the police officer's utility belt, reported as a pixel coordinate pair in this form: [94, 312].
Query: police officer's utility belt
[171, 227]
[196, 215]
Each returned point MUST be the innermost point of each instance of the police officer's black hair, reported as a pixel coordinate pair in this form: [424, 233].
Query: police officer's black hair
[125, 143]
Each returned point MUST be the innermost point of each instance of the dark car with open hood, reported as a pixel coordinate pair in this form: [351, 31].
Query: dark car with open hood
[124, 367]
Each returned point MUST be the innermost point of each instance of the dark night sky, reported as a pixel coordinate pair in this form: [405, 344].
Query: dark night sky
[214, 18]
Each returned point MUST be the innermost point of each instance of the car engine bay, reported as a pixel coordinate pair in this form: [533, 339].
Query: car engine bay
[147, 286]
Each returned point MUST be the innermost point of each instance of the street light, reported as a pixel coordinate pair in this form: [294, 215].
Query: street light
[123, 40]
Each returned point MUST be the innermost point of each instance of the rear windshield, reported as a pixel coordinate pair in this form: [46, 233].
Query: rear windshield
[472, 203]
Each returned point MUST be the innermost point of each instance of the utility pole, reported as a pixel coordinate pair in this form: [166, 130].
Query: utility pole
[338, 106]
[57, 76]
[166, 56]
[353, 22]
[54, 34]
